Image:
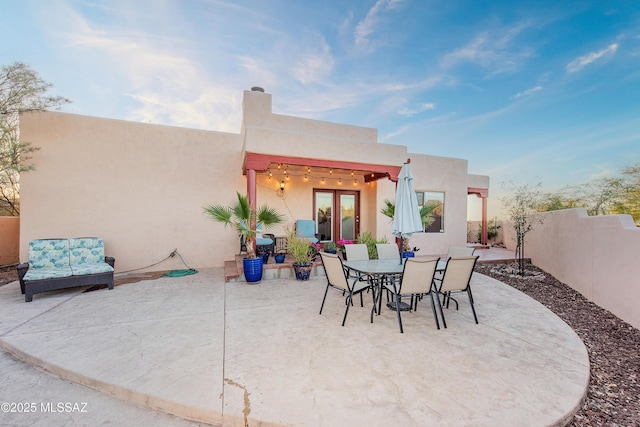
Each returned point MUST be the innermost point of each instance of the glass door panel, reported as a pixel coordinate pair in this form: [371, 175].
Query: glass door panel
[346, 223]
[324, 206]
[347, 216]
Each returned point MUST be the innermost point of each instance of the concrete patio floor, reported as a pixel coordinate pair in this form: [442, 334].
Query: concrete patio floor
[235, 354]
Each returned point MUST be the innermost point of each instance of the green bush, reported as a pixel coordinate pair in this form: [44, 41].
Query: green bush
[368, 239]
[492, 231]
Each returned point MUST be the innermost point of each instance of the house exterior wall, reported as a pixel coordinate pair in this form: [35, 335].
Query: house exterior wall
[595, 255]
[142, 187]
[139, 186]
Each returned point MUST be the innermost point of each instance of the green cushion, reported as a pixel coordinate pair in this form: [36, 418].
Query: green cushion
[49, 253]
[86, 250]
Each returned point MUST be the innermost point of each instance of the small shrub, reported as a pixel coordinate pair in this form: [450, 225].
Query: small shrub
[368, 239]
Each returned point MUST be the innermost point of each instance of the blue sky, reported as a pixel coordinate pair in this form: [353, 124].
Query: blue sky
[544, 91]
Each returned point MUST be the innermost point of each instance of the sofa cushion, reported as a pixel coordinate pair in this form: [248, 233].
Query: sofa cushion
[47, 273]
[49, 253]
[94, 268]
[86, 250]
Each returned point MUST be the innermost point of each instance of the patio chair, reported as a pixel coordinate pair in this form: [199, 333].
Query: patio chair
[387, 251]
[264, 242]
[306, 229]
[454, 252]
[457, 278]
[416, 280]
[337, 278]
[356, 252]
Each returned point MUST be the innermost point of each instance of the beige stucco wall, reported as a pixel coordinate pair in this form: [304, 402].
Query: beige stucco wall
[9, 240]
[595, 255]
[142, 187]
[139, 186]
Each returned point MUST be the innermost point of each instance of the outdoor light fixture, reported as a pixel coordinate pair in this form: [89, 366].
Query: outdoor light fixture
[280, 191]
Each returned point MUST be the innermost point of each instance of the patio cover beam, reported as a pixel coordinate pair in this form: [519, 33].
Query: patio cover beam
[260, 162]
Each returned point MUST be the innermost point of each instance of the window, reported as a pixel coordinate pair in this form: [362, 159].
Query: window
[432, 197]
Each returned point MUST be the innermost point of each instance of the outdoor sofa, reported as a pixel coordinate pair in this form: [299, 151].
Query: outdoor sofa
[65, 263]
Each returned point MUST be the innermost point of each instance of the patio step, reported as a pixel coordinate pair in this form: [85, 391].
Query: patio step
[231, 272]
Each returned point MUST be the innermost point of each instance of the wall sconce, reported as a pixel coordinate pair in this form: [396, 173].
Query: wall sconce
[280, 191]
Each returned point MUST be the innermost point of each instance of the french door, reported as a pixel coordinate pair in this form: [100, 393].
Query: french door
[337, 214]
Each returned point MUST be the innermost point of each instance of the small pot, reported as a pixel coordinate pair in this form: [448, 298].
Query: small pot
[303, 271]
[280, 258]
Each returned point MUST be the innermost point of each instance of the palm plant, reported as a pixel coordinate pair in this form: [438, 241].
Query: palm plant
[239, 215]
[389, 210]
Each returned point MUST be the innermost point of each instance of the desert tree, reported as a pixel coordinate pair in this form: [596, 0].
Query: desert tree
[606, 195]
[628, 201]
[21, 90]
[522, 204]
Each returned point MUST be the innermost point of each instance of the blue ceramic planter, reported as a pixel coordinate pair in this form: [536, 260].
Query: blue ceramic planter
[408, 254]
[252, 269]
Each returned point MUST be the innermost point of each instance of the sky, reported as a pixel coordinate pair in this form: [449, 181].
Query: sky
[527, 91]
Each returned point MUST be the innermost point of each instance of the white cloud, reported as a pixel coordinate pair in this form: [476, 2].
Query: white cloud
[369, 24]
[581, 62]
[419, 109]
[492, 50]
[212, 108]
[400, 131]
[528, 92]
[314, 65]
[258, 71]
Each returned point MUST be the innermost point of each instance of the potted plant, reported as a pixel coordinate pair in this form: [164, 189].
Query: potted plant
[389, 210]
[330, 247]
[302, 252]
[341, 247]
[240, 216]
[408, 252]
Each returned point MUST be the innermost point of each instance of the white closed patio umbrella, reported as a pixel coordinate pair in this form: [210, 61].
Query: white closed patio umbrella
[406, 218]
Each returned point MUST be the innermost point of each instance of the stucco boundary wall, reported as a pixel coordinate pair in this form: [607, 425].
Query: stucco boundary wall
[9, 240]
[597, 256]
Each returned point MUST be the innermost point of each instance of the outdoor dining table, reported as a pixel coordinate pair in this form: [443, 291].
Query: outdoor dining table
[378, 270]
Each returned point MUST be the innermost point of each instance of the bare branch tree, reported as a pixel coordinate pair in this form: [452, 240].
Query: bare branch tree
[523, 206]
[21, 89]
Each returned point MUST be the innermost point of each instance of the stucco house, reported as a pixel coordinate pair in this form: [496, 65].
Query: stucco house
[142, 187]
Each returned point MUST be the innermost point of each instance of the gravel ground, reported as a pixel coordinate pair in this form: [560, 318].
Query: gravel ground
[613, 345]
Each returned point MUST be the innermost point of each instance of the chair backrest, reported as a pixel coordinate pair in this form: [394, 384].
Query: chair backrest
[86, 250]
[417, 275]
[334, 270]
[460, 251]
[458, 273]
[306, 228]
[49, 253]
[357, 252]
[387, 251]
